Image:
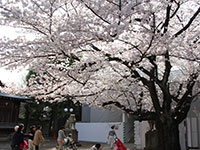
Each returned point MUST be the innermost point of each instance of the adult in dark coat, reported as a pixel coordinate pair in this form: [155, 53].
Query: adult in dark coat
[18, 138]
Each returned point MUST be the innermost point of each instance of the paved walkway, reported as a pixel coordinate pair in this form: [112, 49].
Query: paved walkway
[50, 144]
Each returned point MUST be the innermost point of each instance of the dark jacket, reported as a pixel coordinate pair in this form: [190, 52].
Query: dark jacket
[31, 137]
[17, 139]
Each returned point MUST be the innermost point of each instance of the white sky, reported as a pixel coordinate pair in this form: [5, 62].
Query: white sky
[7, 32]
[13, 33]
[15, 76]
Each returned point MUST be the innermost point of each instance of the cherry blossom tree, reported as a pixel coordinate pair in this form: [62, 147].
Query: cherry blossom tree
[141, 56]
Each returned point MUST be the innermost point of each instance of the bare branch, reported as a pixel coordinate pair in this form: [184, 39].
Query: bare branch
[188, 24]
[96, 13]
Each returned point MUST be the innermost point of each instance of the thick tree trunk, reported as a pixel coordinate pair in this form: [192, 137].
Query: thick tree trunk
[168, 135]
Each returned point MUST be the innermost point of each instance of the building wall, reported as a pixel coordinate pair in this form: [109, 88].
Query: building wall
[9, 111]
[129, 129]
[190, 128]
[91, 114]
[85, 115]
[140, 129]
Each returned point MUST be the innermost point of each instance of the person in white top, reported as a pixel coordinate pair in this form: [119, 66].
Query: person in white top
[111, 137]
[61, 137]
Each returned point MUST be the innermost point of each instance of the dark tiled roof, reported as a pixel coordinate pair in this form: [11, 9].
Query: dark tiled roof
[15, 98]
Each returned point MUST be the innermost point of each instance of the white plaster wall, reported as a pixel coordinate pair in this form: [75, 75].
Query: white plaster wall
[140, 130]
[97, 132]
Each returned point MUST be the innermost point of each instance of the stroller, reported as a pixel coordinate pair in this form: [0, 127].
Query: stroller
[69, 144]
[119, 145]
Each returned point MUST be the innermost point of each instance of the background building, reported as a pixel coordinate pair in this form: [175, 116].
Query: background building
[9, 113]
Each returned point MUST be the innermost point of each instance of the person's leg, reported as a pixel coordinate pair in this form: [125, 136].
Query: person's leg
[16, 147]
[36, 147]
[112, 140]
[60, 145]
[109, 141]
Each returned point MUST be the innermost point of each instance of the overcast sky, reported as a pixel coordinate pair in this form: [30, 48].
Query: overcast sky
[15, 76]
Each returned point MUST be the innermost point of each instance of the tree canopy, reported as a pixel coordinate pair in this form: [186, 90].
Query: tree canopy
[138, 55]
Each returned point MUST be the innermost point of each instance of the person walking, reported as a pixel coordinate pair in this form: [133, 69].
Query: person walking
[30, 137]
[60, 139]
[18, 138]
[111, 137]
[38, 138]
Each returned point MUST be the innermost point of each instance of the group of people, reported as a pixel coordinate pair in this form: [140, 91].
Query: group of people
[35, 137]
